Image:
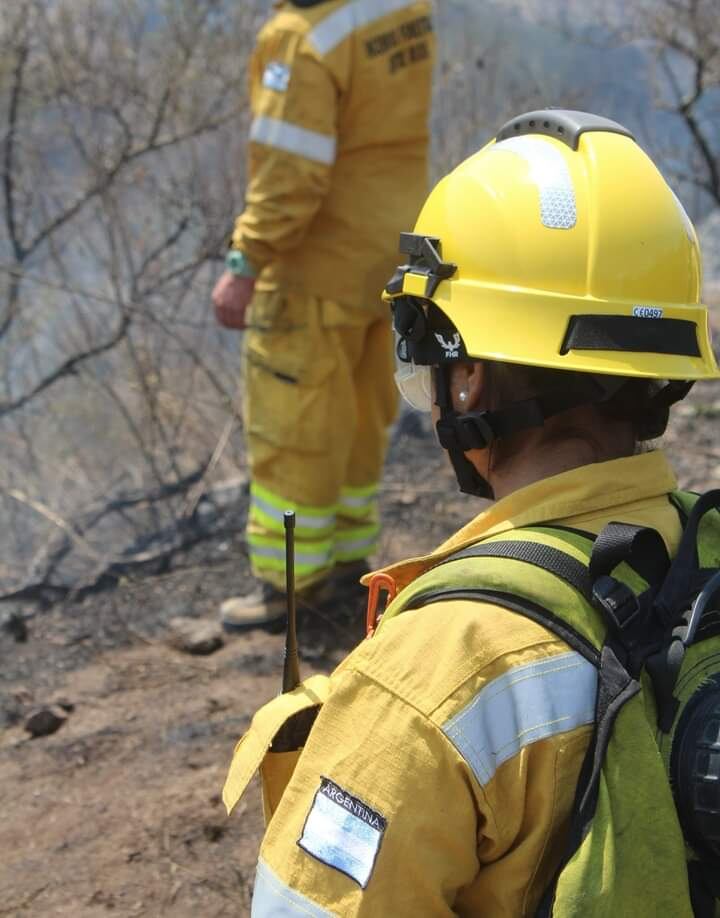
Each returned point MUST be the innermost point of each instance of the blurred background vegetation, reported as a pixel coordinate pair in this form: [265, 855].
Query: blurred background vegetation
[122, 128]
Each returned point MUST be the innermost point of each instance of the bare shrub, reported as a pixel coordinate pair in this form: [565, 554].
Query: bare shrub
[122, 167]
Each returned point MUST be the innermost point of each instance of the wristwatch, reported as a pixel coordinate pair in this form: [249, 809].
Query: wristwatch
[237, 263]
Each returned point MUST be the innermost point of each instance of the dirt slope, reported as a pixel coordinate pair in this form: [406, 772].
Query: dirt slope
[119, 811]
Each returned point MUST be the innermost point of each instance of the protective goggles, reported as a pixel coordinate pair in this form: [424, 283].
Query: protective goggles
[424, 338]
[414, 381]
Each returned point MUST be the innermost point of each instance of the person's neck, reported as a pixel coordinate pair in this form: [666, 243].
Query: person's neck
[545, 459]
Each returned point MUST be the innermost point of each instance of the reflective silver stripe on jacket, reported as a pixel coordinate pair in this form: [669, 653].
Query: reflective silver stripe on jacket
[274, 899]
[526, 704]
[338, 25]
[293, 139]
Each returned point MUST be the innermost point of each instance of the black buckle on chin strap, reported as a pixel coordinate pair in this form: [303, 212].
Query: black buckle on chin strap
[465, 431]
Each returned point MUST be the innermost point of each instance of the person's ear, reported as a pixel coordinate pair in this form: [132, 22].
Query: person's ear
[467, 384]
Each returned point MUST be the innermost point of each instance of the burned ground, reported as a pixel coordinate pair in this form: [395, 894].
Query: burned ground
[119, 810]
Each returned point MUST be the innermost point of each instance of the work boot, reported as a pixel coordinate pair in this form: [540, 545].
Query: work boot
[266, 607]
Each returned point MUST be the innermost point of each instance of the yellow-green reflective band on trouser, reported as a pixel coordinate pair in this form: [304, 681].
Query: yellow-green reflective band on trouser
[347, 531]
[268, 511]
[355, 543]
[267, 553]
[359, 503]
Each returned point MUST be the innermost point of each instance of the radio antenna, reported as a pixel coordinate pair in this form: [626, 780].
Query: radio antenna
[291, 665]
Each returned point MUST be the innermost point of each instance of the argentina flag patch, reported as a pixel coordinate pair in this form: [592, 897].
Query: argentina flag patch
[343, 832]
[276, 76]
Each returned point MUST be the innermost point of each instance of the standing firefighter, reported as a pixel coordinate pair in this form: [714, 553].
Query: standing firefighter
[340, 95]
[534, 727]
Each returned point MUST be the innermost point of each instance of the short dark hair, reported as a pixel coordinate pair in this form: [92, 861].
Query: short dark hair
[634, 402]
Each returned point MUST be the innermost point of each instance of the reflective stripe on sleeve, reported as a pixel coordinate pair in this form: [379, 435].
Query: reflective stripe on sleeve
[526, 704]
[274, 899]
[343, 22]
[293, 139]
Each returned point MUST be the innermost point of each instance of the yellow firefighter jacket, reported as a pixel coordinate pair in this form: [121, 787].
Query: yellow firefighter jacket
[439, 776]
[340, 96]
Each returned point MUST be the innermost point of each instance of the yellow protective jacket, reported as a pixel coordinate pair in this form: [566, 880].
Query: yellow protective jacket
[439, 776]
[340, 96]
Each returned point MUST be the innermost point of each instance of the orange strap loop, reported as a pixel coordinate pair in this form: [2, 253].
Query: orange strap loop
[378, 583]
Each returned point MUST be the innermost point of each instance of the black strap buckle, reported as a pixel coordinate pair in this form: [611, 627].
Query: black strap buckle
[465, 431]
[617, 603]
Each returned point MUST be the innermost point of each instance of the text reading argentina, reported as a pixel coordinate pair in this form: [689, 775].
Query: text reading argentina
[352, 804]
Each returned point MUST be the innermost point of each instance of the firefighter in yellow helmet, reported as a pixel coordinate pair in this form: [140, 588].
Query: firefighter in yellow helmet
[493, 749]
[340, 94]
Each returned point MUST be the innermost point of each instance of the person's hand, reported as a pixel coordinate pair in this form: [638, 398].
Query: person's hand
[231, 297]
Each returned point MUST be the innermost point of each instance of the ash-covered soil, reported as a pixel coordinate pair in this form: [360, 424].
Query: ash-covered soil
[119, 811]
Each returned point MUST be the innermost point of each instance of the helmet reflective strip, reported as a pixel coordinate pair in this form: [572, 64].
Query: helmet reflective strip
[528, 703]
[550, 173]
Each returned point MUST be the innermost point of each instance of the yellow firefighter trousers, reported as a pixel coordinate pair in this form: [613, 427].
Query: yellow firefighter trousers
[318, 397]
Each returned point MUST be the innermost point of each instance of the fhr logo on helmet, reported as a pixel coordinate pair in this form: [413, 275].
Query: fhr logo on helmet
[647, 312]
[451, 348]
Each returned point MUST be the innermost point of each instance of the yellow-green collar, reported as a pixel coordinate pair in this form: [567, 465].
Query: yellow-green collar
[560, 498]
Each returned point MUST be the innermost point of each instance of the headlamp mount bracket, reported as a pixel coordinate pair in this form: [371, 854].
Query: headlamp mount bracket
[425, 259]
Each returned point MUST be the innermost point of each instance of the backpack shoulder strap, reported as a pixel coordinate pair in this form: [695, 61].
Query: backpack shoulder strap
[479, 572]
[683, 501]
[550, 559]
[557, 553]
[631, 637]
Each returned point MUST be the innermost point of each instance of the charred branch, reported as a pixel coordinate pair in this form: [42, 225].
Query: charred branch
[150, 552]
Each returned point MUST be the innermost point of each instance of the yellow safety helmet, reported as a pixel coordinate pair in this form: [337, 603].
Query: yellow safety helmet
[558, 245]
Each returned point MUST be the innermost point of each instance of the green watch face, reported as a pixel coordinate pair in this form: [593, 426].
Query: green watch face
[237, 263]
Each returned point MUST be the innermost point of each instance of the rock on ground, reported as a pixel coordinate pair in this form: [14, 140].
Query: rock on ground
[46, 721]
[194, 636]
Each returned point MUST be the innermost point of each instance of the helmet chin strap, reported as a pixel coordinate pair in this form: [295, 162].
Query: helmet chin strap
[459, 433]
[468, 477]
